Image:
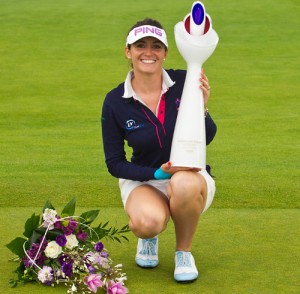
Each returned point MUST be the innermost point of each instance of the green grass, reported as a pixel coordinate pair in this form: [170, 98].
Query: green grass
[58, 59]
[238, 251]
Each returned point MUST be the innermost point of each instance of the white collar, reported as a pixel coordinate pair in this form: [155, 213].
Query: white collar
[129, 92]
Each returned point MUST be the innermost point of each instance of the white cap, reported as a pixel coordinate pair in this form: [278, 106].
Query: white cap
[146, 31]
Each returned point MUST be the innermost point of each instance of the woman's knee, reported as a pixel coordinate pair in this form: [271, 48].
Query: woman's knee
[147, 226]
[187, 187]
[148, 211]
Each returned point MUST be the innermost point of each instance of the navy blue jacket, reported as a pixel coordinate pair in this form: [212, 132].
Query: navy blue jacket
[126, 119]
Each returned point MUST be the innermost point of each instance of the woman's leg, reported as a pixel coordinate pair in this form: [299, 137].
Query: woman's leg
[148, 211]
[188, 193]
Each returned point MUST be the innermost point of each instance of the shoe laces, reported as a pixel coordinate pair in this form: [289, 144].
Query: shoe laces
[148, 247]
[183, 259]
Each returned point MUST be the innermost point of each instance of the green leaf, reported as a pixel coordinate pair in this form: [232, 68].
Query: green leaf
[48, 205]
[112, 233]
[124, 237]
[31, 224]
[13, 283]
[103, 226]
[125, 228]
[69, 208]
[101, 232]
[34, 238]
[20, 271]
[90, 216]
[16, 246]
[51, 235]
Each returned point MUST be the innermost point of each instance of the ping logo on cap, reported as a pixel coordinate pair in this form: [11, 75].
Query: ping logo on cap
[147, 30]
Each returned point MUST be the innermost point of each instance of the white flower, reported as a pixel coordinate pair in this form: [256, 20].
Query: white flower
[121, 279]
[72, 241]
[72, 289]
[53, 250]
[49, 217]
[45, 275]
[90, 256]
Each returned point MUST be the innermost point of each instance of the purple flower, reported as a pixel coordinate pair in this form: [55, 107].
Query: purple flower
[61, 240]
[104, 254]
[70, 228]
[116, 288]
[72, 225]
[99, 246]
[93, 282]
[44, 244]
[34, 255]
[82, 236]
[65, 258]
[99, 260]
[40, 260]
[67, 269]
[91, 269]
[67, 231]
[57, 224]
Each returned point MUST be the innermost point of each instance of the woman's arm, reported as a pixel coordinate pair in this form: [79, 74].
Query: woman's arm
[115, 156]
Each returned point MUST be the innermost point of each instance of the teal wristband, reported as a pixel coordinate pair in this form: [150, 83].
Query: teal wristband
[161, 175]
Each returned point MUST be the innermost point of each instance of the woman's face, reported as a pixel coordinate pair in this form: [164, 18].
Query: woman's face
[147, 55]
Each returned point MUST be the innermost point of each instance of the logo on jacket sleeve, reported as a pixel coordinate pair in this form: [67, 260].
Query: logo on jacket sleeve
[177, 101]
[131, 125]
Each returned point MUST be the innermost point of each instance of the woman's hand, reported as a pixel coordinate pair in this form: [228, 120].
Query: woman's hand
[168, 168]
[204, 87]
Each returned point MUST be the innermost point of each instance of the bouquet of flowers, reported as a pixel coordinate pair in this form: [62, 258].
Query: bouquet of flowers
[65, 249]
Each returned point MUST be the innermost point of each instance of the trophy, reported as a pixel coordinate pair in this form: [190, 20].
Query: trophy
[196, 41]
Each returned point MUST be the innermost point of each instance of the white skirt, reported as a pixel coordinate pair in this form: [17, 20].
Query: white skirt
[126, 186]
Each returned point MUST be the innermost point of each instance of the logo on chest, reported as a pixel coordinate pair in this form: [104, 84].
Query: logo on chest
[132, 125]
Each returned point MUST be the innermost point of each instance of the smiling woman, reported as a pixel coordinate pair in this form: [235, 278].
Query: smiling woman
[147, 51]
[147, 43]
[143, 112]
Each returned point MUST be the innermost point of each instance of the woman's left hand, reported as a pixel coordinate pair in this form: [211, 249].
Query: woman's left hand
[168, 168]
[204, 87]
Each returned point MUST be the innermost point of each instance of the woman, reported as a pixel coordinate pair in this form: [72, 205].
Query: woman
[143, 111]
